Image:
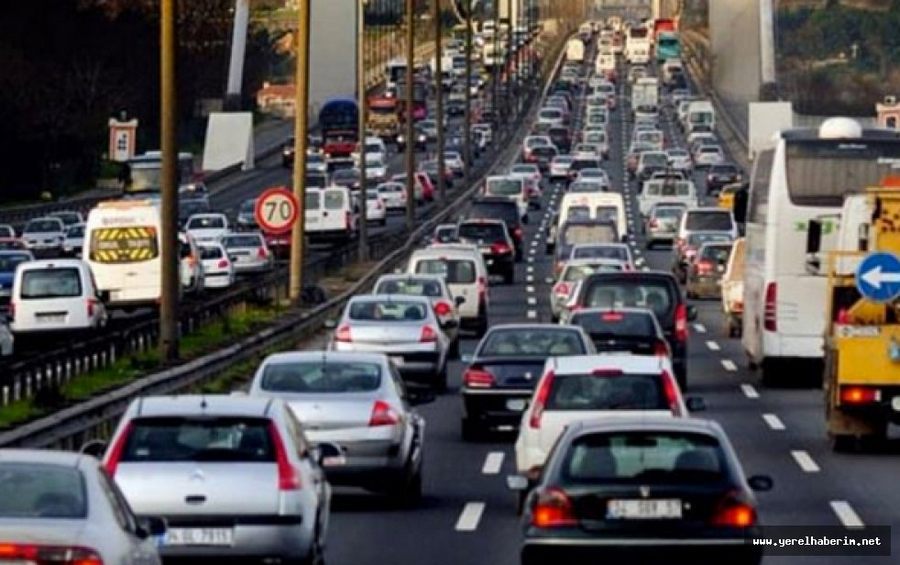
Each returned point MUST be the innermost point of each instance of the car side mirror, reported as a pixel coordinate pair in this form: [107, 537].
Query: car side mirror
[695, 404]
[151, 526]
[761, 483]
[459, 300]
[814, 236]
[328, 454]
[104, 296]
[94, 448]
[691, 313]
[330, 324]
[517, 483]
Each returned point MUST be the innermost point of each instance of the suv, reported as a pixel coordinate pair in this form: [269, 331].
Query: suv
[500, 208]
[495, 245]
[654, 290]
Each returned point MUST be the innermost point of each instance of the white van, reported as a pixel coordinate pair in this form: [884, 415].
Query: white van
[509, 187]
[463, 267]
[575, 50]
[655, 191]
[55, 295]
[601, 206]
[605, 65]
[700, 113]
[331, 213]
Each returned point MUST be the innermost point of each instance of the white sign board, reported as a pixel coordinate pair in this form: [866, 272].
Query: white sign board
[122, 139]
[229, 141]
[766, 119]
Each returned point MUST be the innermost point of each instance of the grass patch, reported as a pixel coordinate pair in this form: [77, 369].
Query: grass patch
[18, 412]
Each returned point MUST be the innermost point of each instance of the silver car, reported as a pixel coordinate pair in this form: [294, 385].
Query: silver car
[234, 476]
[60, 507]
[248, 252]
[403, 327]
[359, 402]
[662, 223]
[74, 240]
[44, 234]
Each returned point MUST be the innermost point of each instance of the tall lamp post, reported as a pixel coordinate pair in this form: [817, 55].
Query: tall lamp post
[301, 103]
[168, 307]
[363, 107]
[408, 116]
[439, 82]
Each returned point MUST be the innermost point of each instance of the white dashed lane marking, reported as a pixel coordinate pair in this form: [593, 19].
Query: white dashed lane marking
[749, 391]
[729, 365]
[532, 314]
[773, 421]
[805, 461]
[469, 517]
[713, 346]
[700, 328]
[846, 514]
[492, 463]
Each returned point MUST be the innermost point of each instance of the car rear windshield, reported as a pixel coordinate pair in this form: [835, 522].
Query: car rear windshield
[334, 199]
[710, 220]
[544, 151]
[317, 377]
[716, 253]
[573, 234]
[670, 212]
[482, 232]
[575, 273]
[242, 241]
[205, 223]
[645, 458]
[50, 283]
[454, 271]
[36, 490]
[414, 287]
[312, 200]
[633, 292]
[43, 226]
[588, 392]
[214, 439]
[211, 253]
[723, 169]
[654, 160]
[600, 252]
[506, 211]
[504, 187]
[525, 342]
[698, 239]
[8, 262]
[616, 324]
[388, 311]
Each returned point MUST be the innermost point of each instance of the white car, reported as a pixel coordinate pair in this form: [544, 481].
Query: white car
[44, 234]
[55, 295]
[454, 161]
[573, 271]
[376, 207]
[593, 387]
[376, 167]
[207, 228]
[74, 241]
[680, 160]
[708, 155]
[248, 252]
[560, 167]
[218, 270]
[526, 170]
[393, 194]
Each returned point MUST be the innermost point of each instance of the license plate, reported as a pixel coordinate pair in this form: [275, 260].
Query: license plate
[199, 536]
[397, 360]
[334, 461]
[51, 318]
[643, 509]
[516, 404]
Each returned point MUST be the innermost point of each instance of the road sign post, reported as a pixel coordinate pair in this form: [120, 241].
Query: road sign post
[277, 210]
[878, 277]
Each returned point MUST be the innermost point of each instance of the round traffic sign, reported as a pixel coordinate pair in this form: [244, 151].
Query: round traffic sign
[276, 210]
[878, 277]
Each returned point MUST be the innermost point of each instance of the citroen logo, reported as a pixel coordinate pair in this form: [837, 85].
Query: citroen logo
[528, 376]
[197, 475]
[645, 491]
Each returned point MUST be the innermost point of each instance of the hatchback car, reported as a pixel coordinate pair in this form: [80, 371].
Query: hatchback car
[60, 507]
[44, 235]
[358, 401]
[572, 273]
[662, 223]
[637, 488]
[9, 260]
[248, 252]
[720, 175]
[206, 227]
[500, 208]
[403, 327]
[685, 252]
[234, 476]
[73, 241]
[704, 274]
[495, 245]
[393, 194]
[507, 363]
[434, 288]
[618, 330]
[218, 270]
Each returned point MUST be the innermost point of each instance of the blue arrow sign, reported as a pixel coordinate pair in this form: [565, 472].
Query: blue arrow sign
[878, 277]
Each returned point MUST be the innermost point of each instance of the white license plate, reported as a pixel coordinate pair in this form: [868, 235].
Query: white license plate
[334, 461]
[54, 319]
[643, 509]
[398, 361]
[516, 404]
[199, 536]
[313, 220]
[895, 403]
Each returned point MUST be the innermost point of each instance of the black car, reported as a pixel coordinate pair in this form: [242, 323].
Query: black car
[542, 155]
[495, 245]
[622, 330]
[455, 107]
[500, 208]
[641, 490]
[561, 138]
[721, 175]
[191, 206]
[246, 216]
[655, 290]
[506, 366]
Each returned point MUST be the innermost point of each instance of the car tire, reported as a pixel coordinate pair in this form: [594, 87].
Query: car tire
[453, 353]
[382, 222]
[509, 277]
[468, 430]
[519, 255]
[408, 489]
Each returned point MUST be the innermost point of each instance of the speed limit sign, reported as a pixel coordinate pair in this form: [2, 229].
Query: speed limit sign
[276, 210]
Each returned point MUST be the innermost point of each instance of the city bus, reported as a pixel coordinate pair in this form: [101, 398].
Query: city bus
[143, 174]
[805, 176]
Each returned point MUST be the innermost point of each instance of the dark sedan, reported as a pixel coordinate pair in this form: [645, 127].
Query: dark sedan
[721, 175]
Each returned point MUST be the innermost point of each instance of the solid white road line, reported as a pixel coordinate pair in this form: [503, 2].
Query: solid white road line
[700, 328]
[773, 421]
[729, 365]
[713, 346]
[532, 314]
[749, 391]
[846, 514]
[805, 461]
[492, 463]
[469, 517]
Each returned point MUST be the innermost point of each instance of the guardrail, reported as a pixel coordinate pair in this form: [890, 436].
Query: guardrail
[72, 426]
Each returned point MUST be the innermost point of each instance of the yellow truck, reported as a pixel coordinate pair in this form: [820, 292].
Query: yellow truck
[383, 120]
[862, 332]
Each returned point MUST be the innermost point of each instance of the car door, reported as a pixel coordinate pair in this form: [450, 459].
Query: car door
[309, 468]
[134, 549]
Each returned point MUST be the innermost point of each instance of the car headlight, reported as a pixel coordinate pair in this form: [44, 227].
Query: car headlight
[400, 139]
[422, 137]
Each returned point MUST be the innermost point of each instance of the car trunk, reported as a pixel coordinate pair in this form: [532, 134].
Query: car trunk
[386, 333]
[332, 412]
[512, 373]
[635, 344]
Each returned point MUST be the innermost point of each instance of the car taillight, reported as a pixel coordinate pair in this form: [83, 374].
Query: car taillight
[442, 309]
[478, 378]
[91, 306]
[704, 267]
[116, 449]
[661, 348]
[482, 288]
[562, 289]
[223, 264]
[654, 223]
[770, 313]
[517, 233]
[428, 335]
[383, 415]
[288, 478]
[500, 248]
[343, 334]
[612, 317]
[48, 554]
[558, 267]
[670, 388]
[681, 323]
[733, 513]
[540, 400]
[860, 395]
[552, 509]
[262, 253]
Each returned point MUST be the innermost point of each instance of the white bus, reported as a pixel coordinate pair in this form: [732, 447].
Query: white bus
[637, 45]
[806, 175]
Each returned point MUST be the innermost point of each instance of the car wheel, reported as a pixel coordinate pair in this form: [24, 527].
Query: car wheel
[468, 430]
[454, 349]
[681, 377]
[382, 222]
[509, 276]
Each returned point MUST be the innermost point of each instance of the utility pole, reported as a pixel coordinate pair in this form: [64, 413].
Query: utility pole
[510, 43]
[408, 115]
[495, 93]
[301, 138]
[439, 81]
[467, 117]
[363, 107]
[171, 281]
[238, 51]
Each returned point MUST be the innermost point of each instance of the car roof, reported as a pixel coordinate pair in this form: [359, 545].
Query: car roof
[551, 327]
[52, 263]
[592, 261]
[627, 363]
[648, 422]
[45, 457]
[466, 250]
[325, 356]
[199, 404]
[390, 298]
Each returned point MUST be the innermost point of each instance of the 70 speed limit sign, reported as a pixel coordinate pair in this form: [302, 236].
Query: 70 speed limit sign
[276, 210]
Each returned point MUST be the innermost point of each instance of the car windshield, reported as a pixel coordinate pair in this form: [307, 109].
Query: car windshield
[9, 261]
[321, 377]
[210, 253]
[531, 343]
[647, 458]
[50, 283]
[600, 252]
[573, 234]
[388, 311]
[43, 226]
[634, 292]
[668, 212]
[334, 199]
[606, 391]
[524, 169]
[575, 273]
[698, 239]
[232, 241]
[206, 223]
[613, 323]
[41, 491]
[709, 220]
[716, 253]
[410, 286]
[504, 187]
[455, 271]
[654, 159]
[208, 439]
[482, 232]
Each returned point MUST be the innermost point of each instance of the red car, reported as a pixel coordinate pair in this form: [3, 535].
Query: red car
[279, 244]
[427, 187]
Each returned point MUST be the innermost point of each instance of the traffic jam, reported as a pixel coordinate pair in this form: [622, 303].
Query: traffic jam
[557, 375]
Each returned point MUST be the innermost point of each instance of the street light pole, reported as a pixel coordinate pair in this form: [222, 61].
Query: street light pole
[301, 103]
[467, 116]
[363, 107]
[439, 81]
[168, 306]
[408, 114]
